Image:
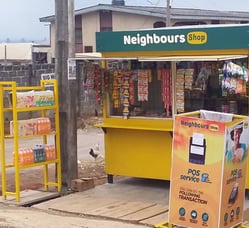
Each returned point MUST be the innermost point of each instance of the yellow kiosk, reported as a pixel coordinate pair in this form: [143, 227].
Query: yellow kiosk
[151, 75]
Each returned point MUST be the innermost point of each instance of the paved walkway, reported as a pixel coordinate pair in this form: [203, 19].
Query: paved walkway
[128, 203]
[19, 217]
[132, 200]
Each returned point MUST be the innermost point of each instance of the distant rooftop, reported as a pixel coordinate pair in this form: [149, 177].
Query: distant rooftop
[176, 13]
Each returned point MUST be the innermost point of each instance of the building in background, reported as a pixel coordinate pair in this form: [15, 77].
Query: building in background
[120, 17]
[24, 53]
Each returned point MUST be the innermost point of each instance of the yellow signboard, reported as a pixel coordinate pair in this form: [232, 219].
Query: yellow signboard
[207, 177]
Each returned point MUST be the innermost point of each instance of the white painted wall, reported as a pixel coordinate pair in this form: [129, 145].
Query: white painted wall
[16, 51]
[124, 21]
[90, 25]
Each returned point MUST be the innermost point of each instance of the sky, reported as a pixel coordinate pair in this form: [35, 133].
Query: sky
[19, 19]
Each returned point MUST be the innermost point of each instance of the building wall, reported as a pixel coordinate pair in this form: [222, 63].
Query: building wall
[132, 21]
[90, 25]
[25, 75]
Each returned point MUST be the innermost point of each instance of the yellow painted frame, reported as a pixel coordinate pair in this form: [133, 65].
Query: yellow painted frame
[11, 87]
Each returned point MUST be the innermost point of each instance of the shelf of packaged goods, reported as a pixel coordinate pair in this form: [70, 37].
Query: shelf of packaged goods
[31, 109]
[33, 164]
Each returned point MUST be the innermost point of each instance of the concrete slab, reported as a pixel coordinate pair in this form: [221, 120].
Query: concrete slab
[146, 213]
[30, 197]
[155, 220]
[130, 199]
[134, 200]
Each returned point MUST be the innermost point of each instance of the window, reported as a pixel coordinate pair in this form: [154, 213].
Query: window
[159, 24]
[88, 49]
[214, 22]
[182, 23]
[105, 29]
[145, 89]
[137, 89]
[140, 90]
[78, 34]
[244, 22]
[105, 20]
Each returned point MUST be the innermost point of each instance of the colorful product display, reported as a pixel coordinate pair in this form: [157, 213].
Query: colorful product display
[166, 78]
[123, 90]
[233, 78]
[41, 125]
[39, 153]
[98, 84]
[143, 81]
[34, 99]
[179, 90]
[126, 96]
[146, 89]
[116, 89]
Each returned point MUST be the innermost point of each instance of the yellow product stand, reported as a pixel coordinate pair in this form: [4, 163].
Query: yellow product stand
[23, 100]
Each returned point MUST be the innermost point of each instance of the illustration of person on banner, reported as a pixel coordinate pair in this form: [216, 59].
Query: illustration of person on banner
[238, 150]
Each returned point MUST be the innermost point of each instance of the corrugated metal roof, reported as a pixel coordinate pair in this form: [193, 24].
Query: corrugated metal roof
[176, 13]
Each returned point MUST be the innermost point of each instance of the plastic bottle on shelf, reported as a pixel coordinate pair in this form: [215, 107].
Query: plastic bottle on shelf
[40, 153]
[35, 155]
[50, 152]
[24, 156]
[21, 157]
[53, 152]
[39, 126]
[48, 125]
[42, 125]
[30, 156]
[45, 120]
[47, 152]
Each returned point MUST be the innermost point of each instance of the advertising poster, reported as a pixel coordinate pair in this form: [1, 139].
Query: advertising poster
[207, 177]
[71, 69]
[234, 174]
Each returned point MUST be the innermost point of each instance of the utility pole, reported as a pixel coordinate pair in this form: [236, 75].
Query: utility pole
[168, 7]
[71, 29]
[68, 129]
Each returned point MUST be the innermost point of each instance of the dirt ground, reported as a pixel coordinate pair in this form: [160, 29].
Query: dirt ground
[32, 178]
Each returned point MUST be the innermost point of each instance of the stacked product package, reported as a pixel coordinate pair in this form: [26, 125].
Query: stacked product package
[40, 153]
[188, 82]
[35, 126]
[179, 90]
[34, 99]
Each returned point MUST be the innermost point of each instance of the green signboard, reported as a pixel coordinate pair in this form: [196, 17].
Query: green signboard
[175, 39]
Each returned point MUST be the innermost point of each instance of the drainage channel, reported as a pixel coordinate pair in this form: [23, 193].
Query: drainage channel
[40, 200]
